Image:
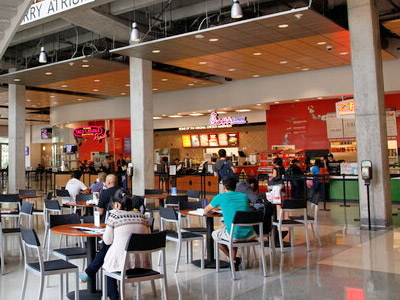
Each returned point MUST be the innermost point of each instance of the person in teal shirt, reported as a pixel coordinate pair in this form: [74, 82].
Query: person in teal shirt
[230, 202]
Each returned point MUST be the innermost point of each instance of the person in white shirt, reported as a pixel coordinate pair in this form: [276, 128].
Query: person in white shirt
[75, 186]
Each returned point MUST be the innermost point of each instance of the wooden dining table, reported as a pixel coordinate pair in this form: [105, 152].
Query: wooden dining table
[209, 262]
[71, 230]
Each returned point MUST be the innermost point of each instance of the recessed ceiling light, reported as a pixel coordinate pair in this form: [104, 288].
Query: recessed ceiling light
[221, 112]
[157, 118]
[296, 100]
[344, 53]
[127, 84]
[196, 114]
[29, 100]
[305, 69]
[52, 96]
[64, 86]
[191, 84]
[95, 90]
[283, 62]
[243, 110]
[231, 70]
[257, 53]
[199, 36]
[164, 115]
[319, 98]
[276, 102]
[85, 66]
[155, 89]
[55, 102]
[17, 79]
[202, 63]
[48, 73]
[283, 25]
[321, 43]
[175, 116]
[85, 61]
[164, 79]
[255, 76]
[79, 99]
[258, 104]
[156, 51]
[34, 105]
[96, 80]
[214, 40]
[123, 94]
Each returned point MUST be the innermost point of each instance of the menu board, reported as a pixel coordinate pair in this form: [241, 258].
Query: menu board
[391, 123]
[223, 139]
[334, 126]
[349, 128]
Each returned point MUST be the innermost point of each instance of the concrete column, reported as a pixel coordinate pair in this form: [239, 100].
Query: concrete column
[141, 100]
[370, 109]
[16, 137]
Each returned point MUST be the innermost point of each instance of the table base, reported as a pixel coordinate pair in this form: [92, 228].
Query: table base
[86, 295]
[208, 264]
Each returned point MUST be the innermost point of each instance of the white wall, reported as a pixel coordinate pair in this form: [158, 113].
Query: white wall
[36, 134]
[310, 84]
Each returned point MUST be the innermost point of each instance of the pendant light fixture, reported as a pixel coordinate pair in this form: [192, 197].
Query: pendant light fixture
[135, 34]
[236, 10]
[42, 56]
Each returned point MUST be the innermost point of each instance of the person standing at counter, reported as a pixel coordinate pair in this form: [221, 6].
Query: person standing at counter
[295, 175]
[121, 163]
[223, 168]
[75, 186]
[278, 172]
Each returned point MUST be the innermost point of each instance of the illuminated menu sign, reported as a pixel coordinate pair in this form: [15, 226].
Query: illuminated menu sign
[215, 120]
[97, 132]
[224, 139]
[345, 109]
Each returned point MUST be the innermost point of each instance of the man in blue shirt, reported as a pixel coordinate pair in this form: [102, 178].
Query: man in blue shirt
[230, 202]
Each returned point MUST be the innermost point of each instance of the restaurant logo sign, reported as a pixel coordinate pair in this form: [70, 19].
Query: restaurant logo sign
[346, 109]
[47, 8]
[214, 120]
[98, 132]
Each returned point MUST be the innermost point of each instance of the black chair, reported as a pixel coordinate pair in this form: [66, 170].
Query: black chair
[44, 268]
[193, 206]
[140, 244]
[193, 195]
[50, 207]
[12, 200]
[151, 206]
[153, 191]
[244, 218]
[36, 211]
[84, 197]
[168, 214]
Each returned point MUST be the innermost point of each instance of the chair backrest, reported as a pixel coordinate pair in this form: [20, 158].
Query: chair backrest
[49, 196]
[52, 205]
[26, 208]
[30, 237]
[9, 198]
[294, 204]
[193, 194]
[139, 200]
[146, 242]
[27, 192]
[175, 200]
[168, 214]
[151, 223]
[62, 193]
[152, 191]
[56, 220]
[190, 205]
[83, 197]
[248, 218]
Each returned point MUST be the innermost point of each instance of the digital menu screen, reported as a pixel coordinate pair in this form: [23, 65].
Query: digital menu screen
[224, 139]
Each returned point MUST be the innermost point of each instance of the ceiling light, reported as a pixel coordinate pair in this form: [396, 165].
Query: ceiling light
[344, 53]
[305, 69]
[164, 115]
[214, 40]
[321, 43]
[42, 56]
[243, 110]
[95, 90]
[276, 102]
[298, 16]
[135, 34]
[257, 53]
[191, 84]
[283, 62]
[231, 70]
[155, 89]
[196, 114]
[17, 79]
[199, 36]
[29, 100]
[319, 98]
[156, 51]
[85, 60]
[157, 118]
[48, 73]
[96, 80]
[283, 25]
[202, 63]
[79, 99]
[221, 112]
[85, 66]
[64, 86]
[258, 104]
[52, 96]
[175, 116]
[127, 84]
[164, 79]
[297, 100]
[255, 76]
[210, 110]
[236, 10]
[123, 94]
[55, 102]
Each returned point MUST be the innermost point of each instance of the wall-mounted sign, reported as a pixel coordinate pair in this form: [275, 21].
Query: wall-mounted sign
[98, 132]
[224, 139]
[48, 8]
[345, 109]
[214, 120]
[204, 127]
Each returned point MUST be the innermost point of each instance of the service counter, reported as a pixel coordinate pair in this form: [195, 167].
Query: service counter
[207, 183]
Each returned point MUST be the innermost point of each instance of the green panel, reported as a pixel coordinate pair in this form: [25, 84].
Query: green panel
[336, 190]
[395, 189]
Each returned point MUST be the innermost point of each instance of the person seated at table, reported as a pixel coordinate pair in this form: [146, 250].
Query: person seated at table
[75, 186]
[230, 202]
[248, 187]
[124, 219]
[100, 183]
[106, 195]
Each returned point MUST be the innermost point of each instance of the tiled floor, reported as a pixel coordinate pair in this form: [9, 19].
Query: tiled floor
[352, 264]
